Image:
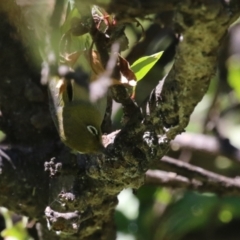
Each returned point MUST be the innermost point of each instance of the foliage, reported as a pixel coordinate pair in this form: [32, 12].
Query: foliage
[14, 231]
[234, 74]
[144, 64]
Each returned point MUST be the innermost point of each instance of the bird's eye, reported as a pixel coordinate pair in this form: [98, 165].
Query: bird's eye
[92, 130]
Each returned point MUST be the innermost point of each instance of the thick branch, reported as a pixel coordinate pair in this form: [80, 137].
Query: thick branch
[195, 64]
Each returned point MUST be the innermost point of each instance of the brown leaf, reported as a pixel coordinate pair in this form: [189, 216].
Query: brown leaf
[95, 62]
[71, 58]
[126, 70]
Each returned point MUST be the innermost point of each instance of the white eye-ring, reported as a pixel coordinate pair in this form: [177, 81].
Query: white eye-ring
[92, 130]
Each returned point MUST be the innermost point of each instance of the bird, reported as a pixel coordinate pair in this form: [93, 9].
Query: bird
[77, 119]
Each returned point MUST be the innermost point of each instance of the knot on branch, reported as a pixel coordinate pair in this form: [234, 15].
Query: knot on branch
[63, 222]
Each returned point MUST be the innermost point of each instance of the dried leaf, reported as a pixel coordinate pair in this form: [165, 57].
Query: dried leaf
[126, 71]
[71, 58]
[95, 62]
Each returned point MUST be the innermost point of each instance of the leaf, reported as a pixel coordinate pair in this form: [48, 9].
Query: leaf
[73, 13]
[125, 69]
[94, 60]
[234, 74]
[191, 212]
[143, 65]
[18, 231]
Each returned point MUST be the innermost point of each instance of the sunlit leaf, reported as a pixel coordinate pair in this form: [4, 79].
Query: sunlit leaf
[225, 216]
[234, 74]
[13, 231]
[143, 65]
[163, 195]
[17, 232]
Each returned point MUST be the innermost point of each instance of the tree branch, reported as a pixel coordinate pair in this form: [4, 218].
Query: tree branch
[173, 180]
[170, 179]
[208, 144]
[209, 181]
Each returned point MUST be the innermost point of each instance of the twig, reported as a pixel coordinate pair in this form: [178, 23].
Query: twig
[170, 179]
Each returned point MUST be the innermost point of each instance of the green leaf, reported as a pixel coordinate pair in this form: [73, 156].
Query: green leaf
[191, 212]
[13, 231]
[234, 74]
[71, 44]
[71, 13]
[143, 65]
[163, 195]
[16, 232]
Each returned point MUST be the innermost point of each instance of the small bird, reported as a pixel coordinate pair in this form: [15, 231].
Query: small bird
[77, 119]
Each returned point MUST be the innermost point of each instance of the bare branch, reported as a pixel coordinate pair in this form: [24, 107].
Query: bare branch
[210, 181]
[170, 179]
[173, 180]
[208, 144]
